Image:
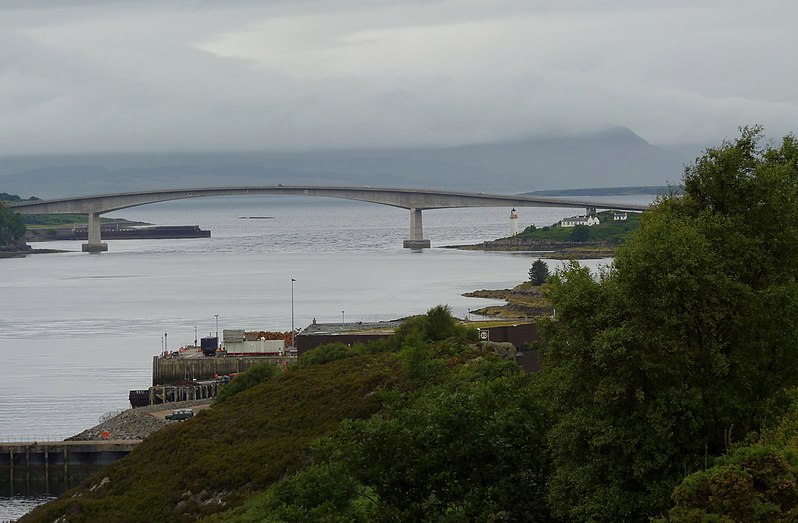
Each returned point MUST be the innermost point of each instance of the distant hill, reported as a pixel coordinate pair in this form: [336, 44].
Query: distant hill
[653, 190]
[612, 158]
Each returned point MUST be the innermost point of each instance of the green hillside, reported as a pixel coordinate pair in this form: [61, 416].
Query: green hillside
[608, 231]
[227, 452]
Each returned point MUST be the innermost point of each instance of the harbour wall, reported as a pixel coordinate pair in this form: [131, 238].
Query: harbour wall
[175, 370]
[63, 453]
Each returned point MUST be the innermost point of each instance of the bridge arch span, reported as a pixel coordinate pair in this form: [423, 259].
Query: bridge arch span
[415, 200]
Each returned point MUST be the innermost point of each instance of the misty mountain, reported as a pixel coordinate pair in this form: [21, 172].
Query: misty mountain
[613, 158]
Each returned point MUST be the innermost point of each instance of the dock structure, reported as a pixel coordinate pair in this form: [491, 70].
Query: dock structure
[317, 334]
[47, 454]
[159, 394]
[167, 371]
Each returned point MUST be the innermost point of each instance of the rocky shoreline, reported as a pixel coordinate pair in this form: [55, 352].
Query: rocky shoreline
[21, 253]
[550, 249]
[524, 301]
[137, 423]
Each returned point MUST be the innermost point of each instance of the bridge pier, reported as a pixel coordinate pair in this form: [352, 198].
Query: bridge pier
[95, 242]
[416, 240]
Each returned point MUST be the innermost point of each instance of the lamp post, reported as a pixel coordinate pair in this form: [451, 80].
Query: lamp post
[293, 333]
[342, 317]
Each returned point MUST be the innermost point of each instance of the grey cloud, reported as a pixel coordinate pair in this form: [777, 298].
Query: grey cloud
[126, 76]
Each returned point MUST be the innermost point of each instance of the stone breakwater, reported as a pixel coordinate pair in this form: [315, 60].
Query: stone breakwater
[135, 423]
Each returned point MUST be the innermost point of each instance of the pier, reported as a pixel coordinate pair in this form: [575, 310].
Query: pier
[158, 394]
[63, 454]
[175, 370]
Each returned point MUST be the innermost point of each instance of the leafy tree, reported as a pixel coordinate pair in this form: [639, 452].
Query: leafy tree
[322, 492]
[539, 272]
[680, 347]
[753, 483]
[12, 230]
[460, 451]
[437, 324]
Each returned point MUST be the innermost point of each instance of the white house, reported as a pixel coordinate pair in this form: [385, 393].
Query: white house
[573, 221]
[619, 216]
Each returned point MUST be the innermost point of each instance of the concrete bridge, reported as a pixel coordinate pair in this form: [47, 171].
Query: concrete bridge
[415, 200]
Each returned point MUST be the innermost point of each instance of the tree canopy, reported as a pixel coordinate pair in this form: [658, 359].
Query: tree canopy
[12, 230]
[684, 343]
[539, 272]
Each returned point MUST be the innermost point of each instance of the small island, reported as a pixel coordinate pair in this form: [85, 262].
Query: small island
[576, 237]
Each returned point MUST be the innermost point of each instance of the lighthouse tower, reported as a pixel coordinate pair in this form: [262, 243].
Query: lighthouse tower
[513, 222]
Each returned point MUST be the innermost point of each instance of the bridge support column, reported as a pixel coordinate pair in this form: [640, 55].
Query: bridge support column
[416, 240]
[95, 242]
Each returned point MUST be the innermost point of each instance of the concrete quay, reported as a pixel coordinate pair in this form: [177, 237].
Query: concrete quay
[63, 453]
[175, 370]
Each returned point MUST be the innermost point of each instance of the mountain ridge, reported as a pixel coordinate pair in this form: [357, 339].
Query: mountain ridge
[613, 158]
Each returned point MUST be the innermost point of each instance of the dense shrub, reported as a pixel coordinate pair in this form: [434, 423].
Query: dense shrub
[254, 375]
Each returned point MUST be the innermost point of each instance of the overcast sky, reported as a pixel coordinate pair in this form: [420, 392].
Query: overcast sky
[101, 76]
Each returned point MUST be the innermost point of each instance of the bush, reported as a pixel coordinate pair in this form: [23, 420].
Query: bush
[252, 376]
[327, 353]
[755, 483]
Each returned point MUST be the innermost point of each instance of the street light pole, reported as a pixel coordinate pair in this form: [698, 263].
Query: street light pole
[293, 335]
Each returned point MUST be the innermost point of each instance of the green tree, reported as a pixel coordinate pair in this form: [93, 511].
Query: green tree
[460, 451]
[12, 230]
[539, 272]
[753, 483]
[678, 348]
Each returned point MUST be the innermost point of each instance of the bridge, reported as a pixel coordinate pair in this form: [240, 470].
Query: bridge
[414, 200]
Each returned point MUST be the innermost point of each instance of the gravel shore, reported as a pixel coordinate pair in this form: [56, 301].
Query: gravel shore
[138, 423]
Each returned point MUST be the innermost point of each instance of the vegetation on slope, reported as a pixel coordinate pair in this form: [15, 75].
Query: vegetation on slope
[209, 463]
[668, 390]
[608, 231]
[683, 347]
[5, 197]
[579, 242]
[12, 230]
[256, 436]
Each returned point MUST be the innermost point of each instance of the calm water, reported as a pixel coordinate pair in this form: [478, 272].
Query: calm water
[78, 331]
